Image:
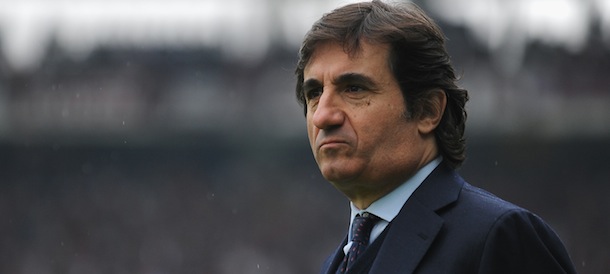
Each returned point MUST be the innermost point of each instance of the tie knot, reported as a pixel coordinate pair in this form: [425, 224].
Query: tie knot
[362, 226]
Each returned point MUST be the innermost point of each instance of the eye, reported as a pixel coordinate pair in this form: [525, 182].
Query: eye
[313, 93]
[354, 88]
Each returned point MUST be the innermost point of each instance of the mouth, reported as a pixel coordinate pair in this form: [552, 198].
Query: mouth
[331, 143]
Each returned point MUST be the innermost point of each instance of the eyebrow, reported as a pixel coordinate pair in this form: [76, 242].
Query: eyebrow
[355, 78]
[310, 84]
[343, 79]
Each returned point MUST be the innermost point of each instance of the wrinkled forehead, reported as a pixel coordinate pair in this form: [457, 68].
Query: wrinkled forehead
[353, 51]
[331, 62]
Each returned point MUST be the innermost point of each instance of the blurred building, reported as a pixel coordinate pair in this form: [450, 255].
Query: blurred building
[89, 69]
[144, 136]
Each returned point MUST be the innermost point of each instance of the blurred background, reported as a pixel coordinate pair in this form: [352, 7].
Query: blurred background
[164, 136]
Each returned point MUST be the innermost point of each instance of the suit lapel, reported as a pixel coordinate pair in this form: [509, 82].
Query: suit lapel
[333, 261]
[416, 226]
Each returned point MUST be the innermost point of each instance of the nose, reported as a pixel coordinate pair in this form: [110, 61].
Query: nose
[328, 113]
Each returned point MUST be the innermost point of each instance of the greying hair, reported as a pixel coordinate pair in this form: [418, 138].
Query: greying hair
[418, 59]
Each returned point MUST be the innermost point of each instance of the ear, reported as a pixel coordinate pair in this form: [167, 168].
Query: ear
[433, 109]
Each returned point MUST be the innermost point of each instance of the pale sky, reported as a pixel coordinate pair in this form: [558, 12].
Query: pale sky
[244, 29]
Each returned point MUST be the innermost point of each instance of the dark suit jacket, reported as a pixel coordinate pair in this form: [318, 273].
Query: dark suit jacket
[449, 226]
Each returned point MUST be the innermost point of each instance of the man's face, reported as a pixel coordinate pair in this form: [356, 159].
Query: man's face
[356, 121]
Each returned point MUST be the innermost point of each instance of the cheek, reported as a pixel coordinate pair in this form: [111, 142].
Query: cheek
[311, 133]
[389, 131]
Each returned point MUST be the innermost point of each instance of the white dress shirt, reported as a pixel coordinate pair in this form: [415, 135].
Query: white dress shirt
[388, 206]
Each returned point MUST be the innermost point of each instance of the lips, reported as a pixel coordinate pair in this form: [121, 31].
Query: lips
[331, 142]
[326, 139]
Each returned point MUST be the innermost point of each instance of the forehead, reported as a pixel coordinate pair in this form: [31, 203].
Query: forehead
[329, 57]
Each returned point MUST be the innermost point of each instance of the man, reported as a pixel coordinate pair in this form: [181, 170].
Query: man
[386, 121]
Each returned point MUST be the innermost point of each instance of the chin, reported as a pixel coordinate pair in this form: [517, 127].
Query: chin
[339, 177]
[341, 170]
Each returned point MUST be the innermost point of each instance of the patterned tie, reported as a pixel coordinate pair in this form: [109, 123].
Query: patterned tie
[361, 233]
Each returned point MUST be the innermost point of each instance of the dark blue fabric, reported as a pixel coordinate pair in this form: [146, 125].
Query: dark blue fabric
[450, 226]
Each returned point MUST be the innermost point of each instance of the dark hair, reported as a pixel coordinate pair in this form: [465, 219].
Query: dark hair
[418, 59]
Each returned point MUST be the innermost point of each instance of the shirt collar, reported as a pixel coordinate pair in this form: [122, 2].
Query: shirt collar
[388, 206]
